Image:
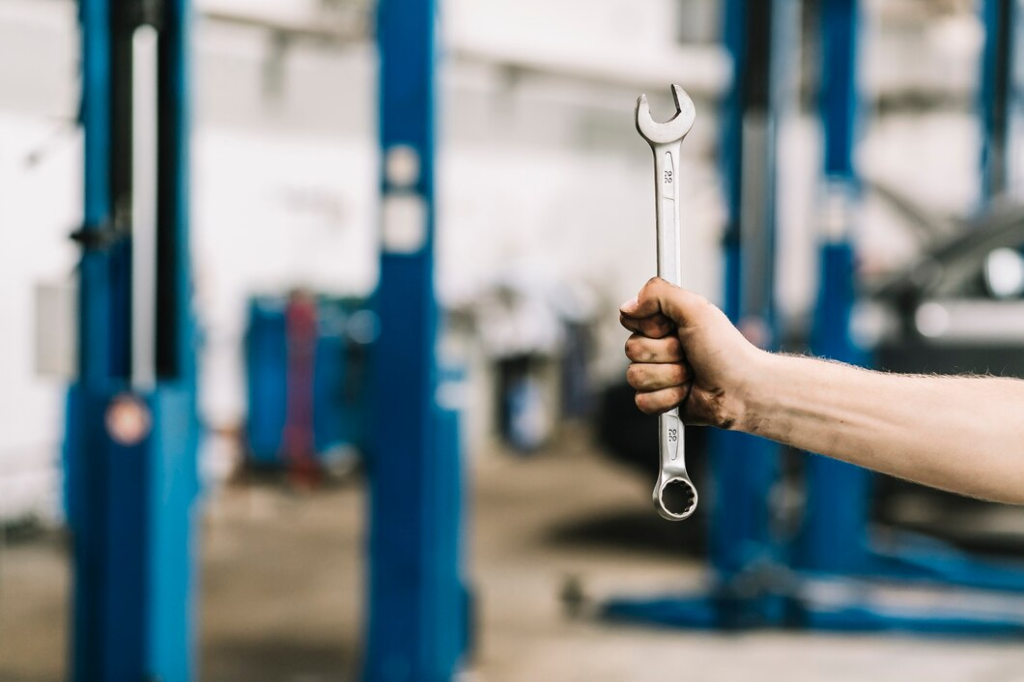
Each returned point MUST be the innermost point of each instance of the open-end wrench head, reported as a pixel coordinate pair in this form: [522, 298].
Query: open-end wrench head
[672, 130]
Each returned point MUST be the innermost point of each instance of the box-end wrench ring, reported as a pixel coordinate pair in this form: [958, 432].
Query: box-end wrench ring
[675, 496]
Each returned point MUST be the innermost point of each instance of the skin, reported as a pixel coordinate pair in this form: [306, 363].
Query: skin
[963, 434]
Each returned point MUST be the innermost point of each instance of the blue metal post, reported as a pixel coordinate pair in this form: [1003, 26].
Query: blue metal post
[997, 87]
[833, 536]
[416, 611]
[130, 503]
[174, 481]
[745, 468]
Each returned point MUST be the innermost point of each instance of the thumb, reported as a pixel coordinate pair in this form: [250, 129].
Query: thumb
[658, 296]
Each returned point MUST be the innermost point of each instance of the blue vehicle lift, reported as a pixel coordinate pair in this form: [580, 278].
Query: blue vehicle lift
[834, 539]
[417, 626]
[998, 84]
[132, 431]
[757, 578]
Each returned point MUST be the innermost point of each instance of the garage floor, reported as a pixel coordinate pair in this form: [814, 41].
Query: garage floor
[282, 597]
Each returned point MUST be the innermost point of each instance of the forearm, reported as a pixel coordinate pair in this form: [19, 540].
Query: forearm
[957, 433]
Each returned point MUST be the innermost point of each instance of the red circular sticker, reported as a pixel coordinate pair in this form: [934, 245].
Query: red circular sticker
[128, 420]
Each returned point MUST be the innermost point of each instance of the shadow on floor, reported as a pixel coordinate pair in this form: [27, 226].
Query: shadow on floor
[640, 531]
[278, 660]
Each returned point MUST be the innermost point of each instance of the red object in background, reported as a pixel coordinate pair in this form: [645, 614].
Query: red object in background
[299, 441]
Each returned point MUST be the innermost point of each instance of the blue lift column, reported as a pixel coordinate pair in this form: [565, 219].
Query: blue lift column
[834, 542]
[745, 469]
[833, 537]
[132, 432]
[417, 613]
[997, 93]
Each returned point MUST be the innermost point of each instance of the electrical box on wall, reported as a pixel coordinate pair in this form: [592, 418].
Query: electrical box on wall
[56, 329]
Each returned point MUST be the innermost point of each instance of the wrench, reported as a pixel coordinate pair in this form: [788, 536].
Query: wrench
[675, 496]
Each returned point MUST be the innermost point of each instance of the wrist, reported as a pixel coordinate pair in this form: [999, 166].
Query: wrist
[748, 412]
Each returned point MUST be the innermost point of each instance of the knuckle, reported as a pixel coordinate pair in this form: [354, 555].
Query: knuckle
[684, 373]
[675, 347]
[660, 327]
[631, 347]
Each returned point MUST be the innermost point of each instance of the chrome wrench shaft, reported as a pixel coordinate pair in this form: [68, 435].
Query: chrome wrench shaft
[675, 496]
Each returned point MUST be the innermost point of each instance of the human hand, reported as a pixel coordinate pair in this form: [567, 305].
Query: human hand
[685, 352]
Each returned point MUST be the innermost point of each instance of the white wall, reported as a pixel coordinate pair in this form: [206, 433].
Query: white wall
[272, 212]
[39, 207]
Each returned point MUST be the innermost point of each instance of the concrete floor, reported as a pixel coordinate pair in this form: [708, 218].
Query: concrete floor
[282, 594]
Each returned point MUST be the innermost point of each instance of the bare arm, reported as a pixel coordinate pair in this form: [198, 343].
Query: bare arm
[957, 433]
[963, 434]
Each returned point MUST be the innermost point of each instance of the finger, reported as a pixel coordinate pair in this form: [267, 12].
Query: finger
[653, 327]
[656, 402]
[645, 377]
[640, 348]
[658, 296]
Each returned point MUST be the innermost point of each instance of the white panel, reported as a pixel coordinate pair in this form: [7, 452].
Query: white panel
[144, 190]
[56, 330]
[404, 223]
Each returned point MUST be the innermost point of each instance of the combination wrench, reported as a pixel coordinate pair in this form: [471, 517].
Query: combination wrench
[675, 496]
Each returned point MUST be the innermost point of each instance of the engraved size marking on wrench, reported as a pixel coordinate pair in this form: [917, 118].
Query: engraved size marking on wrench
[665, 140]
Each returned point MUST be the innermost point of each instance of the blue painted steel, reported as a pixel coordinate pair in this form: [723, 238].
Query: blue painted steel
[266, 363]
[731, 154]
[744, 468]
[838, 98]
[416, 613]
[834, 539]
[171, 604]
[911, 557]
[832, 536]
[861, 617]
[95, 326]
[449, 593]
[110, 566]
[131, 507]
[998, 60]
[727, 448]
[102, 615]
[706, 613]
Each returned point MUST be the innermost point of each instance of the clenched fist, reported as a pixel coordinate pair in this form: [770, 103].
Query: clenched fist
[685, 352]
